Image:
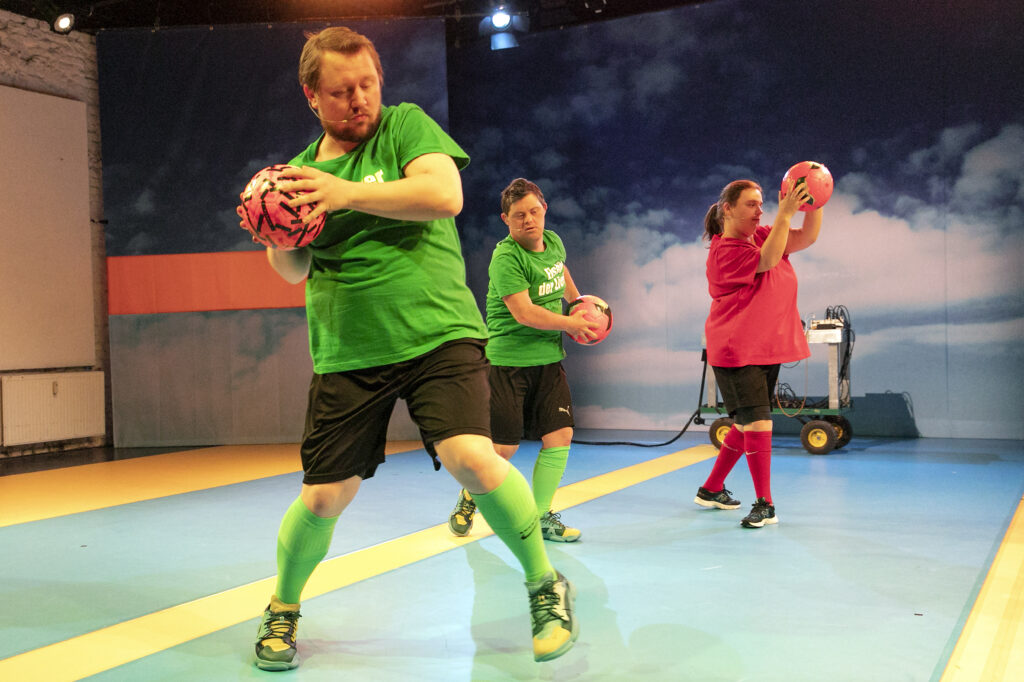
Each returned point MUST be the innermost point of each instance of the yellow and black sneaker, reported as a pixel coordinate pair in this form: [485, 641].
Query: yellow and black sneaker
[554, 622]
[275, 643]
[461, 520]
[553, 530]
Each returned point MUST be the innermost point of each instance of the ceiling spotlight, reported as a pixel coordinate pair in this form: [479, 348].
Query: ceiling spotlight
[64, 23]
[502, 25]
[500, 19]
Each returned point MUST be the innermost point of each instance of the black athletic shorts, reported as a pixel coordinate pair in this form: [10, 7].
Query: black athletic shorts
[747, 391]
[347, 418]
[529, 402]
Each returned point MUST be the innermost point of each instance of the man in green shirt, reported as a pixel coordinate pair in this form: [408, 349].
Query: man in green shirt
[390, 316]
[529, 391]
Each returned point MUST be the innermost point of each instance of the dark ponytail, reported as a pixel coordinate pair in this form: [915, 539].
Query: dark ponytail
[712, 222]
[730, 195]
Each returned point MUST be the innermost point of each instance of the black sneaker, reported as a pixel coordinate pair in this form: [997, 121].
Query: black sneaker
[275, 643]
[762, 514]
[721, 499]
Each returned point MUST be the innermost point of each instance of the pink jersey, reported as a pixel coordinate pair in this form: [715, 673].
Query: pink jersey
[753, 319]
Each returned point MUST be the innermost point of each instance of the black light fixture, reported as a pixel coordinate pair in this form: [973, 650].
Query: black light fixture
[502, 25]
[64, 23]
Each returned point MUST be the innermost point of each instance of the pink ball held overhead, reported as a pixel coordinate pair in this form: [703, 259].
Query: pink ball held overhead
[818, 179]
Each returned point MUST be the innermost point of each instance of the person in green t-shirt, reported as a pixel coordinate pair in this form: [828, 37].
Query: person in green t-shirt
[529, 391]
[390, 316]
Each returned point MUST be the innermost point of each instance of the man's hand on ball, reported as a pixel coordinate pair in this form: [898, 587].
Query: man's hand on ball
[326, 191]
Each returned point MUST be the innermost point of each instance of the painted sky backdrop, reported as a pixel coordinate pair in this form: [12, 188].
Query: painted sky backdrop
[632, 127]
[189, 115]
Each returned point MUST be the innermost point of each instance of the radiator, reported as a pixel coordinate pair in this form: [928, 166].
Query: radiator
[41, 408]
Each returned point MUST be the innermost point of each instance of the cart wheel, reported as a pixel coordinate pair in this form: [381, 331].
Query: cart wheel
[818, 437]
[719, 429]
[844, 432]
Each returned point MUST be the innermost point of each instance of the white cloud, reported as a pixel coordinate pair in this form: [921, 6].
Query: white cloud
[656, 79]
[566, 209]
[549, 160]
[952, 144]
[143, 204]
[992, 171]
[978, 335]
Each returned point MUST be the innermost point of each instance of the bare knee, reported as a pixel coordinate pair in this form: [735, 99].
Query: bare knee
[472, 460]
[506, 451]
[327, 500]
[759, 425]
[562, 438]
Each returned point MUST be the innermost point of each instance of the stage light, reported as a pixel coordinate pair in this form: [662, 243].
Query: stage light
[500, 19]
[503, 41]
[502, 25]
[63, 23]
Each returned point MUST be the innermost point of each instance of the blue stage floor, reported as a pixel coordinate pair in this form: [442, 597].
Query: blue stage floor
[880, 552]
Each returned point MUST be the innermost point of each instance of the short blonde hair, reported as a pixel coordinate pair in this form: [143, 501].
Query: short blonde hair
[333, 39]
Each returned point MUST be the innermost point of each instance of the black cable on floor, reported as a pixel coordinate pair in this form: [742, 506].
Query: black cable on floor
[700, 394]
[642, 445]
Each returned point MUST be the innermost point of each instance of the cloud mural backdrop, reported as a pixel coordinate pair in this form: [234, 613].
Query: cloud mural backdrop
[632, 127]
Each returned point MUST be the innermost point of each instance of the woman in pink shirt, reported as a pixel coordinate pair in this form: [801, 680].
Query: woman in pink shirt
[753, 327]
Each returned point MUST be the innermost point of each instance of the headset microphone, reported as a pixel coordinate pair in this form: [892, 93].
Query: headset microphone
[310, 105]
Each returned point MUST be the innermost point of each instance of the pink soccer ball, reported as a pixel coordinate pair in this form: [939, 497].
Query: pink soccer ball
[268, 217]
[596, 310]
[818, 179]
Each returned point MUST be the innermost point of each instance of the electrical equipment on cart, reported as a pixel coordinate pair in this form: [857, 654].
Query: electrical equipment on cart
[825, 428]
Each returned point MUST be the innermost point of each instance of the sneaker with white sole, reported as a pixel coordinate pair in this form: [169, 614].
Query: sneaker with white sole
[553, 530]
[552, 614]
[722, 499]
[761, 514]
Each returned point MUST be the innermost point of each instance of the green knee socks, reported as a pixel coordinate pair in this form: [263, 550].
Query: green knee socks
[512, 515]
[302, 543]
[547, 474]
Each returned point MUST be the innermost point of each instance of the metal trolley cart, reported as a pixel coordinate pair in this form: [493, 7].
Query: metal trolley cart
[824, 428]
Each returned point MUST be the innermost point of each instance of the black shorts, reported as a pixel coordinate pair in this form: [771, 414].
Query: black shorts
[747, 391]
[445, 389]
[529, 402]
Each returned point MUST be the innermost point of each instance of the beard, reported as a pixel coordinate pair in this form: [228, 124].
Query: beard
[344, 132]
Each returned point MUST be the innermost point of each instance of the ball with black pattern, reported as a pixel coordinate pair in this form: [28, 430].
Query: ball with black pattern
[268, 217]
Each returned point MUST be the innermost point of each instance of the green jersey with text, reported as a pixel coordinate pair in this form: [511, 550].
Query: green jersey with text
[514, 269]
[382, 290]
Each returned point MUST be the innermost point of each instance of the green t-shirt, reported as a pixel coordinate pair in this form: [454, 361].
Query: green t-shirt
[381, 290]
[514, 269]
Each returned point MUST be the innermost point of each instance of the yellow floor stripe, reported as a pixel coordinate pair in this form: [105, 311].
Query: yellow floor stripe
[991, 646]
[131, 640]
[44, 494]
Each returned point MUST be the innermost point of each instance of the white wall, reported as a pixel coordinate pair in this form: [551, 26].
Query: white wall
[36, 60]
[46, 297]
